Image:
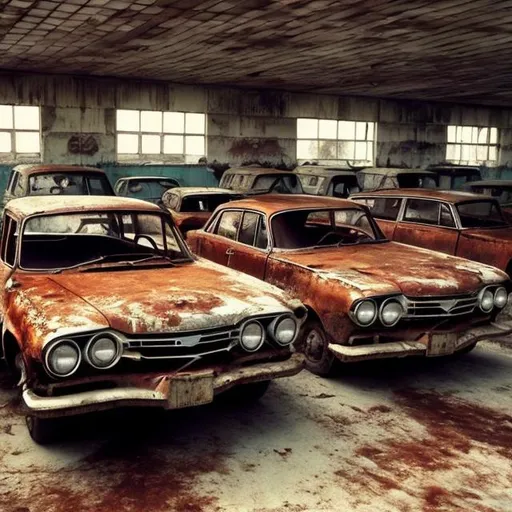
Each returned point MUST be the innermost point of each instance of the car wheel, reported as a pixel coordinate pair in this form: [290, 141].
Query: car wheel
[314, 342]
[245, 393]
[42, 430]
[465, 350]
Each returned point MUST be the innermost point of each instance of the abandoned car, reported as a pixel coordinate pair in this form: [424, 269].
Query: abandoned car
[501, 190]
[105, 306]
[459, 223]
[327, 181]
[147, 188]
[259, 180]
[44, 179]
[454, 177]
[375, 178]
[191, 207]
[367, 297]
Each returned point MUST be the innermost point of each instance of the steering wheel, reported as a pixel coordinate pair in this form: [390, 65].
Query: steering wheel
[148, 238]
[55, 190]
[339, 237]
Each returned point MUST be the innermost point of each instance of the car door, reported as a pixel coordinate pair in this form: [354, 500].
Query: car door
[250, 253]
[427, 223]
[385, 210]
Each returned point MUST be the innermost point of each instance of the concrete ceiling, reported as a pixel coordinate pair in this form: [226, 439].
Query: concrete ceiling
[451, 50]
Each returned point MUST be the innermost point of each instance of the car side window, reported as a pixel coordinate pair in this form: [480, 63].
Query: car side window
[248, 229]
[19, 188]
[262, 234]
[14, 181]
[173, 202]
[446, 217]
[385, 208]
[10, 180]
[422, 211]
[229, 224]
[9, 238]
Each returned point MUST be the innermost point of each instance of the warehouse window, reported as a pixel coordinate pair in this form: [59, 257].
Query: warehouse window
[472, 145]
[161, 136]
[20, 133]
[329, 141]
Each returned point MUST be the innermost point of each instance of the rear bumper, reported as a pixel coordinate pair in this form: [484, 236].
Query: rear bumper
[195, 388]
[430, 345]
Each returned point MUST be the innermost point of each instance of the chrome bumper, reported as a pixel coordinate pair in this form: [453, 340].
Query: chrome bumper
[431, 345]
[164, 393]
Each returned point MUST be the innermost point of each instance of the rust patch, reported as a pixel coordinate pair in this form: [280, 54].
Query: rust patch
[380, 408]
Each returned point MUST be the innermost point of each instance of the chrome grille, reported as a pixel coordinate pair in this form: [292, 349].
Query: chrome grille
[184, 345]
[440, 306]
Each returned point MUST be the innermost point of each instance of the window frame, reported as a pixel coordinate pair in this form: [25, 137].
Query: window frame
[438, 224]
[8, 222]
[14, 154]
[458, 144]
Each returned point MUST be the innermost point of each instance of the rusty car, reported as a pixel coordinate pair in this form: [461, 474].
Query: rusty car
[327, 181]
[258, 180]
[105, 306]
[453, 176]
[367, 297]
[501, 190]
[52, 179]
[147, 188]
[191, 207]
[375, 178]
[453, 222]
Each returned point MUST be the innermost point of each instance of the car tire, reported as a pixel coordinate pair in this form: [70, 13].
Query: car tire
[314, 343]
[43, 431]
[245, 393]
[466, 350]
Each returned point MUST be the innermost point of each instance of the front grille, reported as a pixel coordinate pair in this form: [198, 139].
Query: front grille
[183, 346]
[440, 306]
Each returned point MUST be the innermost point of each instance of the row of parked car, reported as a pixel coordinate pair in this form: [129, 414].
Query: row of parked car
[106, 305]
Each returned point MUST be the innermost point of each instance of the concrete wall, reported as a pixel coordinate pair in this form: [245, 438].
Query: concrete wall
[243, 126]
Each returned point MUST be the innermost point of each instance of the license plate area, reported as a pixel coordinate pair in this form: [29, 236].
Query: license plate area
[190, 390]
[442, 344]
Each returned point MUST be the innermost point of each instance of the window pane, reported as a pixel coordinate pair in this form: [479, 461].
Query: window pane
[493, 153]
[151, 144]
[262, 236]
[194, 145]
[346, 130]
[127, 144]
[453, 152]
[360, 150]
[248, 229]
[173, 144]
[327, 149]
[418, 210]
[493, 136]
[27, 142]
[481, 153]
[482, 135]
[369, 151]
[361, 131]
[474, 134]
[6, 120]
[228, 225]
[26, 118]
[466, 133]
[174, 122]
[128, 120]
[151, 122]
[307, 129]
[452, 134]
[307, 149]
[195, 123]
[346, 150]
[327, 129]
[5, 142]
[370, 132]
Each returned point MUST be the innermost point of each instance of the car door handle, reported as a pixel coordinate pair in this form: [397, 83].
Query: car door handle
[230, 252]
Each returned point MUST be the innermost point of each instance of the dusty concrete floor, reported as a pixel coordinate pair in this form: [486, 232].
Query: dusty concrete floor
[394, 436]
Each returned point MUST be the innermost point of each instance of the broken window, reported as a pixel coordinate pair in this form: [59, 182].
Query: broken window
[326, 141]
[20, 133]
[161, 136]
[472, 145]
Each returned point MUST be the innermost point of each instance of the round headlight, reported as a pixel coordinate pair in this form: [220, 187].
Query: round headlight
[391, 312]
[486, 300]
[285, 330]
[63, 358]
[102, 352]
[252, 336]
[365, 312]
[501, 297]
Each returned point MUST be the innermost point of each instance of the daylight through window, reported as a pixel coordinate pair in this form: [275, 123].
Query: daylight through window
[327, 141]
[472, 145]
[20, 135]
[161, 136]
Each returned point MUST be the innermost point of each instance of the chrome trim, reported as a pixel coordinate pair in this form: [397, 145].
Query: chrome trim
[481, 294]
[111, 336]
[381, 308]
[52, 347]
[272, 328]
[443, 306]
[263, 337]
[358, 305]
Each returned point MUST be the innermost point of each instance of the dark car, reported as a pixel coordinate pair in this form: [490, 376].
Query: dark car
[327, 181]
[375, 178]
[501, 190]
[453, 177]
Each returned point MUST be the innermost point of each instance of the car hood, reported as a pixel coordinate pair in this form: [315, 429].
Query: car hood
[390, 267]
[187, 297]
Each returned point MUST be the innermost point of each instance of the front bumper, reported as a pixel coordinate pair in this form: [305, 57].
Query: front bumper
[430, 345]
[170, 391]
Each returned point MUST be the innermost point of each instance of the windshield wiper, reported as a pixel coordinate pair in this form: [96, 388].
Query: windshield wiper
[154, 257]
[106, 258]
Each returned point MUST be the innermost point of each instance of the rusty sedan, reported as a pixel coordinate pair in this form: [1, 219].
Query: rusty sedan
[367, 297]
[458, 223]
[105, 306]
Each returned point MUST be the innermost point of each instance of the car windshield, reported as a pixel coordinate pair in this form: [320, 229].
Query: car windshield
[311, 184]
[56, 242]
[70, 184]
[302, 229]
[501, 194]
[278, 184]
[204, 203]
[480, 214]
[148, 190]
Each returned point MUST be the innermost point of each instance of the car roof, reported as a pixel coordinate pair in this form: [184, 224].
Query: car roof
[451, 196]
[489, 183]
[187, 191]
[32, 205]
[385, 171]
[27, 169]
[256, 171]
[147, 178]
[273, 203]
[324, 171]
